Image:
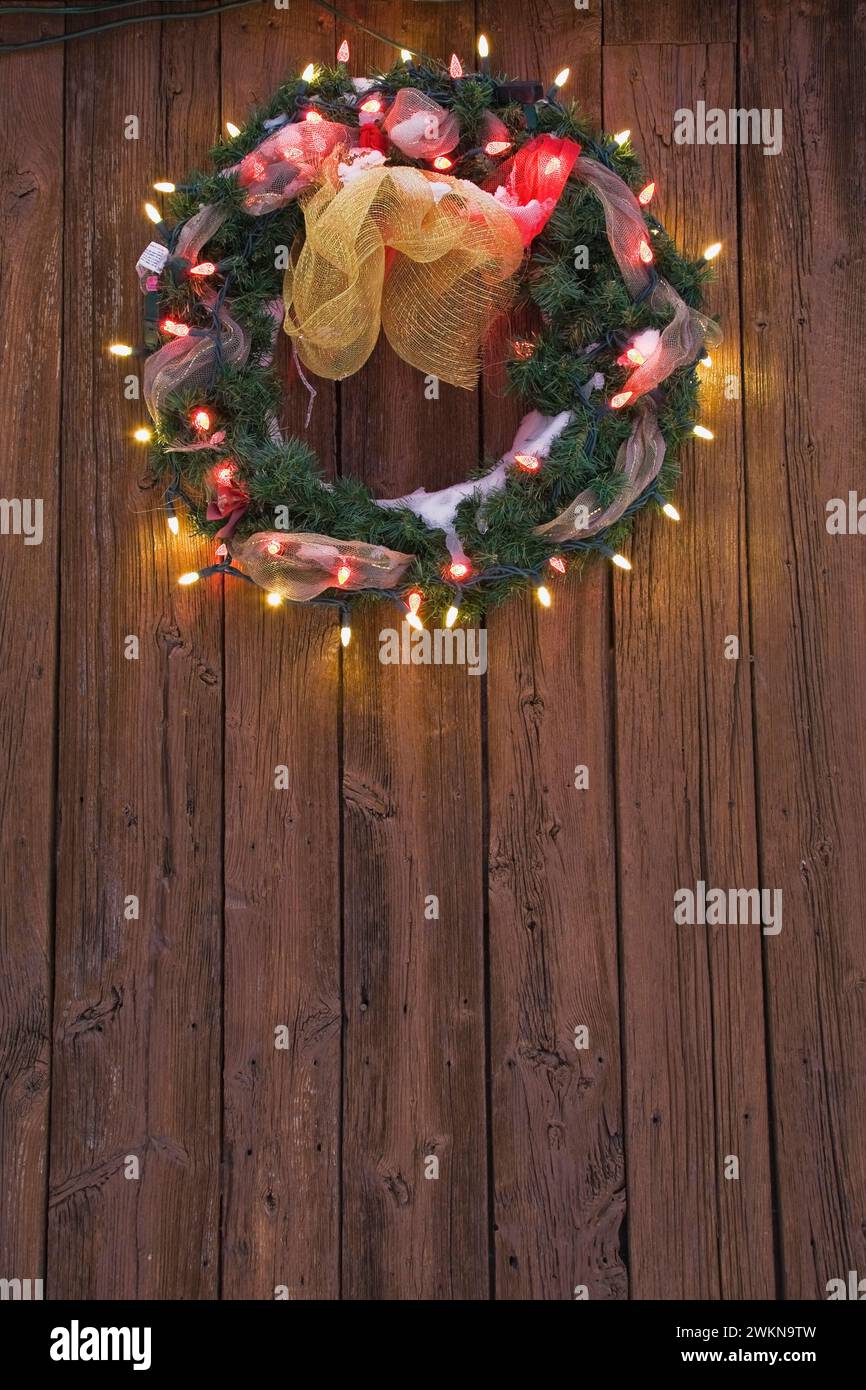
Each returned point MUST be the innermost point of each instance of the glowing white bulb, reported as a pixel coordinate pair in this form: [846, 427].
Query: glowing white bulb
[164, 186]
[173, 525]
[153, 213]
[712, 251]
[620, 561]
[120, 349]
[543, 595]
[702, 432]
[451, 616]
[345, 634]
[233, 130]
[273, 600]
[670, 511]
[483, 46]
[309, 72]
[405, 55]
[707, 361]
[621, 136]
[191, 577]
[414, 621]
[142, 434]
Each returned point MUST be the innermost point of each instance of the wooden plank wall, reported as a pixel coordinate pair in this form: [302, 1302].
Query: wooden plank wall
[559, 1186]
[135, 1180]
[274, 1074]
[412, 784]
[803, 286]
[283, 965]
[695, 1090]
[31, 310]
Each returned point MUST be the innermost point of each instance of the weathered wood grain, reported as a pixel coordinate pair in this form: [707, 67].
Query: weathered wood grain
[325, 1143]
[558, 1179]
[137, 1002]
[537, 38]
[414, 1000]
[803, 294]
[692, 995]
[682, 21]
[282, 1105]
[31, 228]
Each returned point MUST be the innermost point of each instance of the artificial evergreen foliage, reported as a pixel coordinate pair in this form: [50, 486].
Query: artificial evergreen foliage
[572, 309]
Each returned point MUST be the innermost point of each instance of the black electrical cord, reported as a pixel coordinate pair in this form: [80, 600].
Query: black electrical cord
[51, 39]
[95, 7]
[158, 17]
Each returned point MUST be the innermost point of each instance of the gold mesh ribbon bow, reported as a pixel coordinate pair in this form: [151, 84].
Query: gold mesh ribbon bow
[428, 258]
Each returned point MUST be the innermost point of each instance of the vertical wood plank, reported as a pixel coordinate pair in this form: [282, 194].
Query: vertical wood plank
[559, 1187]
[803, 292]
[282, 1107]
[31, 198]
[693, 1009]
[136, 1019]
[683, 21]
[414, 1045]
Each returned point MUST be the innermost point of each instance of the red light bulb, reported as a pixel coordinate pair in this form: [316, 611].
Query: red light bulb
[620, 399]
[273, 547]
[344, 574]
[200, 420]
[459, 569]
[414, 601]
[313, 117]
[225, 473]
[443, 162]
[176, 330]
[343, 52]
[455, 67]
[372, 105]
[494, 147]
[203, 268]
[630, 358]
[557, 563]
[645, 252]
[530, 462]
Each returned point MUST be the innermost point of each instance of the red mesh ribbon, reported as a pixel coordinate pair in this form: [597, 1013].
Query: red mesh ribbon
[530, 184]
[301, 565]
[688, 330]
[288, 161]
[638, 462]
[228, 499]
[419, 127]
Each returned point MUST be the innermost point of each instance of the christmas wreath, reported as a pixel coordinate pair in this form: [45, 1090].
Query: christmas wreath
[433, 205]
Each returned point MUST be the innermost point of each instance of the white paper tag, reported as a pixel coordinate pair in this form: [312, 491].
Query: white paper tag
[153, 257]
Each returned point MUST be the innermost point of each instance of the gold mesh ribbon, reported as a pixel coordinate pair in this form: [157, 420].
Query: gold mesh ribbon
[300, 565]
[428, 258]
[638, 462]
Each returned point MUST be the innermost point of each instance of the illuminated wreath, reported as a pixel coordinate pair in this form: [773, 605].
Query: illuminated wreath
[432, 204]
